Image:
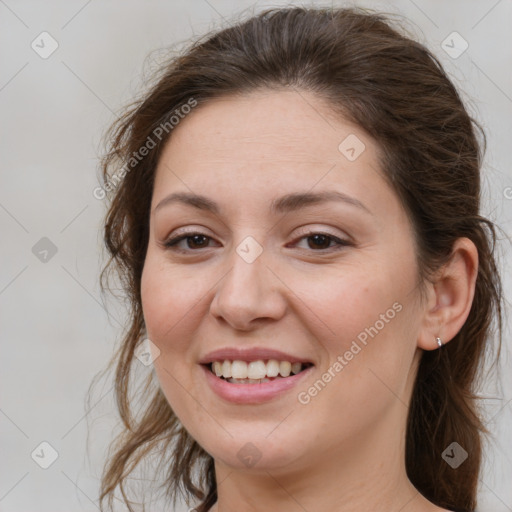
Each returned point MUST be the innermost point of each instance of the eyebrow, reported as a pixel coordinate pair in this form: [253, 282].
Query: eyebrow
[284, 204]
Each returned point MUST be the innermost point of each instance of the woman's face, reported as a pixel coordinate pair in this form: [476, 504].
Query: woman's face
[330, 282]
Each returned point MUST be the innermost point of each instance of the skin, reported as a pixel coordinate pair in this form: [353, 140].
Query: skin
[344, 450]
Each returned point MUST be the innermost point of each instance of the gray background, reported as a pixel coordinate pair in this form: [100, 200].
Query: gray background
[55, 331]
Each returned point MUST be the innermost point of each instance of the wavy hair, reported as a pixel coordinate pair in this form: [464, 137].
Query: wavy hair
[394, 88]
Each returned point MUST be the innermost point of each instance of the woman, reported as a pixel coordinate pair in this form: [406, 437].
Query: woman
[295, 218]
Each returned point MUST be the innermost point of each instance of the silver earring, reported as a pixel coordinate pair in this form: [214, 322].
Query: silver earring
[439, 342]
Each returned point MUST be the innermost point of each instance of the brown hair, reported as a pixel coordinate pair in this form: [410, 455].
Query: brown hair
[396, 90]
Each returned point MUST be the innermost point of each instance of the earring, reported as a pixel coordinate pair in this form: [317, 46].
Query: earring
[439, 342]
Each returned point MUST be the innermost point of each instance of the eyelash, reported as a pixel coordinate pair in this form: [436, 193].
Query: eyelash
[171, 243]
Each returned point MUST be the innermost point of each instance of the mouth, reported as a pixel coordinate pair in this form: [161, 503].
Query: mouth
[255, 372]
[256, 381]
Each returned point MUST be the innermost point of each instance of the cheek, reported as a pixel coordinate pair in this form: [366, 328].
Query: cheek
[365, 320]
[171, 298]
[346, 300]
[171, 307]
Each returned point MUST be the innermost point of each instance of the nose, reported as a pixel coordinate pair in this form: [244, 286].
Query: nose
[249, 294]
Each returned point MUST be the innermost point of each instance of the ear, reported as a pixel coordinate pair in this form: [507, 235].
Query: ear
[450, 296]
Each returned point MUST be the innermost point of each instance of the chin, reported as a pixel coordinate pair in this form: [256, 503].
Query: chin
[255, 453]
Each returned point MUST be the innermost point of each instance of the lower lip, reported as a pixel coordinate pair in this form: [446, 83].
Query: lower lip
[253, 393]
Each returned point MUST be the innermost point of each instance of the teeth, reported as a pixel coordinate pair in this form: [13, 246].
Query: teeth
[226, 369]
[217, 368]
[273, 368]
[285, 368]
[254, 371]
[247, 381]
[296, 368]
[239, 370]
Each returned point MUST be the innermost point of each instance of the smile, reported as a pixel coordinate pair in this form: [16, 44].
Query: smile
[255, 372]
[237, 386]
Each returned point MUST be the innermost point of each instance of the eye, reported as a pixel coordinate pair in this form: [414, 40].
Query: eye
[316, 241]
[322, 241]
[193, 241]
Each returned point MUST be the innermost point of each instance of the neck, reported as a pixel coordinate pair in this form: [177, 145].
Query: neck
[343, 480]
[366, 472]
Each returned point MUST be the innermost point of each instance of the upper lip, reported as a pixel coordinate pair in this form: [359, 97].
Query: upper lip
[250, 354]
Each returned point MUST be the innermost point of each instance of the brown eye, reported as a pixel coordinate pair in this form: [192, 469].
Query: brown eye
[319, 241]
[194, 241]
[197, 240]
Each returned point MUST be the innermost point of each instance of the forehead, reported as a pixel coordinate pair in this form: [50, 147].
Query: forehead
[272, 137]
[277, 125]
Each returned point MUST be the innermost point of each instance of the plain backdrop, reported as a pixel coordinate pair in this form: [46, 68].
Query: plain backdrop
[55, 331]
